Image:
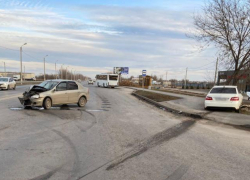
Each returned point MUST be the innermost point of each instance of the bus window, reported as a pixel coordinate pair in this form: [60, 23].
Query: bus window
[113, 78]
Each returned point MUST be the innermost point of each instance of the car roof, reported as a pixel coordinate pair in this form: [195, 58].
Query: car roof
[225, 87]
[60, 80]
[6, 77]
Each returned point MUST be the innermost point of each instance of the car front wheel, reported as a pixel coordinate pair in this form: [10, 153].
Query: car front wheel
[82, 102]
[47, 103]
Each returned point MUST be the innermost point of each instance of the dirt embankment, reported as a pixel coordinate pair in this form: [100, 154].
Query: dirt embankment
[156, 96]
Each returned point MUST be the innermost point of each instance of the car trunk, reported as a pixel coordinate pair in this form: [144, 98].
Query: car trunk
[222, 98]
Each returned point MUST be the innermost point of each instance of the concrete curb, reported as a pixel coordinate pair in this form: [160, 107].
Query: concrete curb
[196, 116]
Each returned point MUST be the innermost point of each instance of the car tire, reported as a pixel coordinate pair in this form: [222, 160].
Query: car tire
[8, 88]
[14, 88]
[47, 103]
[82, 101]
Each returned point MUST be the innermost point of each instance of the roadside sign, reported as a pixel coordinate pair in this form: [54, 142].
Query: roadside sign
[121, 70]
[144, 73]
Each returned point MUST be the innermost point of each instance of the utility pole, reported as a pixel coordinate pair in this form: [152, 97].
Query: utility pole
[21, 63]
[55, 69]
[5, 69]
[71, 74]
[44, 67]
[186, 79]
[216, 69]
[166, 75]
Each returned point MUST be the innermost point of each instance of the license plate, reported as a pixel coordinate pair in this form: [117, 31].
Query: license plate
[221, 99]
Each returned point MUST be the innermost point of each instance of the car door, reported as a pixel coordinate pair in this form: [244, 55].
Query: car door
[60, 95]
[12, 83]
[73, 92]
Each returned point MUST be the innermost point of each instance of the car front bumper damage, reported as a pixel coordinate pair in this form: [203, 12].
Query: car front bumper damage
[31, 102]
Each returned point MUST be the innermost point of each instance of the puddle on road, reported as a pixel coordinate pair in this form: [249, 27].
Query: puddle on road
[16, 109]
[96, 110]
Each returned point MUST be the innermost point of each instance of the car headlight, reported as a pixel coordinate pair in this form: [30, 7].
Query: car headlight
[35, 96]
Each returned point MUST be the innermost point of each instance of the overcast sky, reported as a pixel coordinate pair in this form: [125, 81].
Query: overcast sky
[94, 36]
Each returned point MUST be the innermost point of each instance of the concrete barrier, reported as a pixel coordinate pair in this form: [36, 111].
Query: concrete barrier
[18, 83]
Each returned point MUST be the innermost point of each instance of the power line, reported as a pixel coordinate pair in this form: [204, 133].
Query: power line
[32, 56]
[204, 68]
[203, 65]
[8, 48]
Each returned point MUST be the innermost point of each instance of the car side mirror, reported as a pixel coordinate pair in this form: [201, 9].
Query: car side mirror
[54, 90]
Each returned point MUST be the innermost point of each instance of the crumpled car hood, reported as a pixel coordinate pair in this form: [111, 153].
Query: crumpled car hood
[33, 91]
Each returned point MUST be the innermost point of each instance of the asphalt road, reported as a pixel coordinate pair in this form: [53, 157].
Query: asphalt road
[115, 137]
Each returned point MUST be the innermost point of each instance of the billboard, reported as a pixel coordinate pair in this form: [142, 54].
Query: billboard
[121, 70]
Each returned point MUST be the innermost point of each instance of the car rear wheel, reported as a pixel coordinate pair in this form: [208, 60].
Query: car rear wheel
[82, 102]
[237, 110]
[47, 103]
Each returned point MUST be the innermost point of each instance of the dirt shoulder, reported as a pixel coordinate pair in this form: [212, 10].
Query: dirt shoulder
[156, 96]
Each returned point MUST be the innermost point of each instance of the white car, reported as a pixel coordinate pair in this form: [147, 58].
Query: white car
[7, 83]
[248, 94]
[224, 97]
[90, 82]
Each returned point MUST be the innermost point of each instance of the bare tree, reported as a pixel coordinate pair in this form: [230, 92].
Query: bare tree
[226, 24]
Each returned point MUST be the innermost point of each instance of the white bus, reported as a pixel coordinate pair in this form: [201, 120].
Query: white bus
[107, 80]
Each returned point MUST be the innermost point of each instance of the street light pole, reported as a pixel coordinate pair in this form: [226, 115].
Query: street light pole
[62, 71]
[55, 69]
[44, 67]
[21, 63]
[67, 72]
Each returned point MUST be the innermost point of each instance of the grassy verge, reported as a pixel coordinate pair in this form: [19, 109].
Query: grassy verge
[155, 96]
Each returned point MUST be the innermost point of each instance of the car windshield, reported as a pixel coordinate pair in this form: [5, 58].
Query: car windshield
[223, 91]
[48, 84]
[4, 79]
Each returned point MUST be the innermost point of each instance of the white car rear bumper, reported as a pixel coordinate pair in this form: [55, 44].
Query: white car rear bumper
[216, 104]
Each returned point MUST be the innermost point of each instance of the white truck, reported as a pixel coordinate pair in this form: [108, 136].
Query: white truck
[16, 77]
[26, 76]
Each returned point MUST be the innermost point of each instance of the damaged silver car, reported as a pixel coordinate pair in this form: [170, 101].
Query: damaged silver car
[55, 92]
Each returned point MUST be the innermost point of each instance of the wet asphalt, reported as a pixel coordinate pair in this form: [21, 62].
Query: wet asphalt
[115, 136]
